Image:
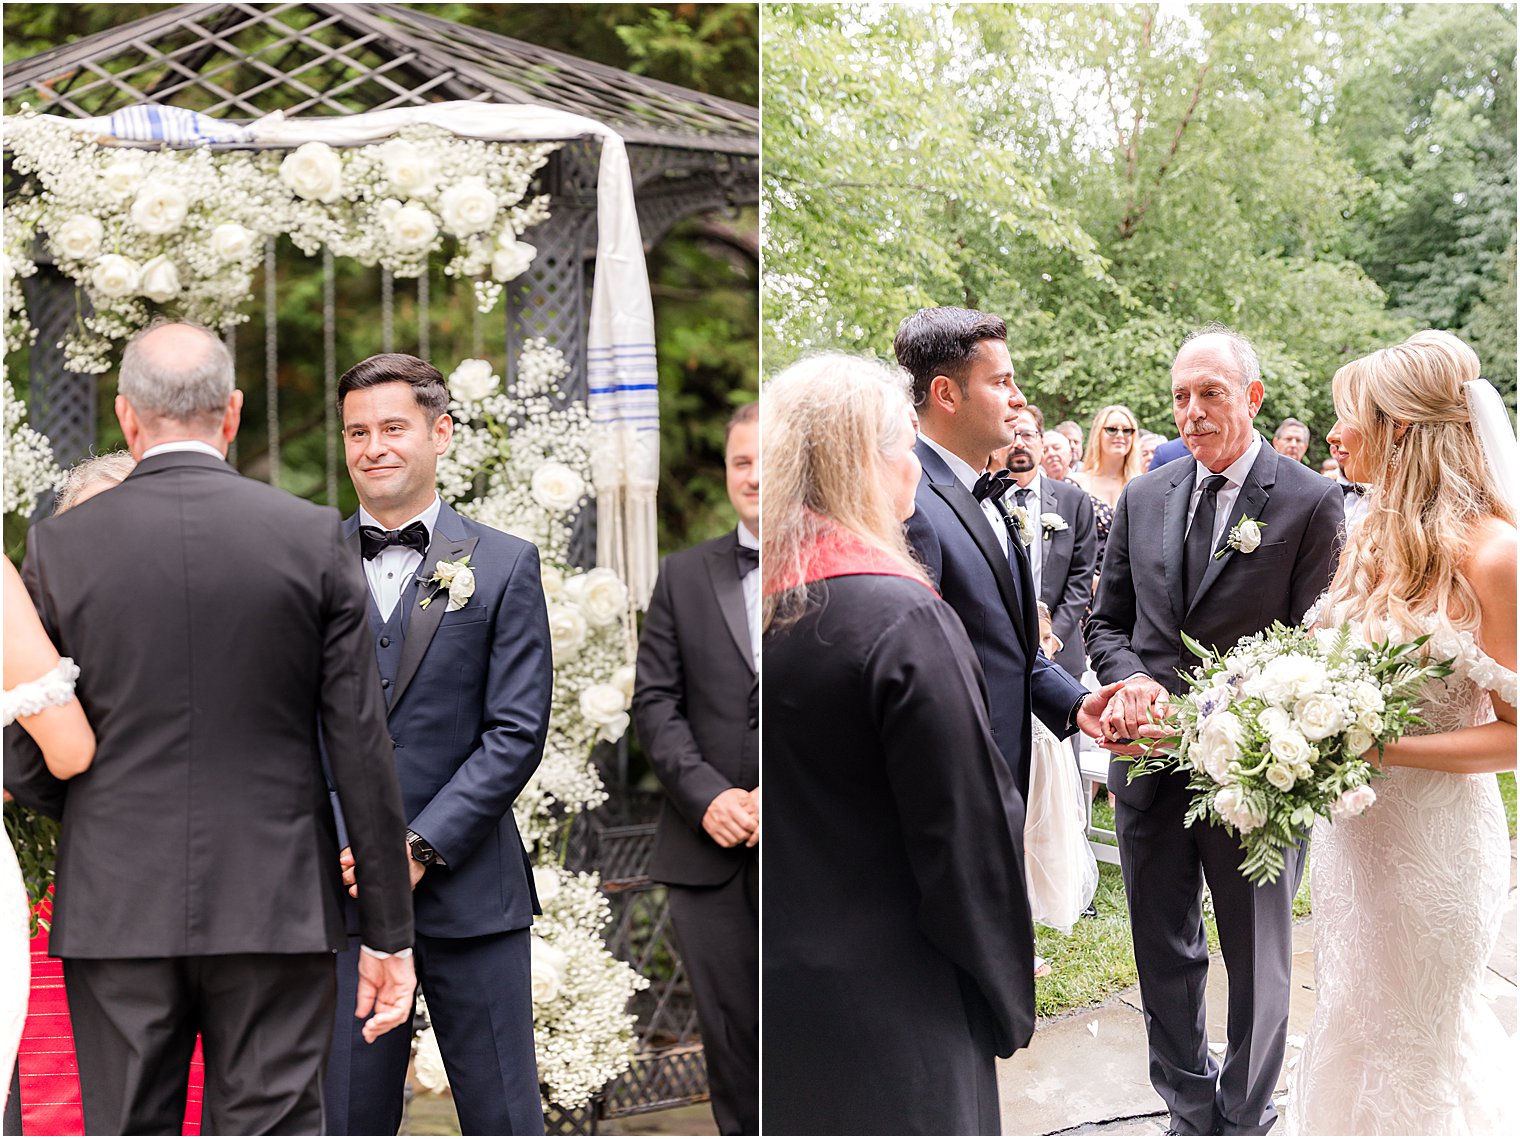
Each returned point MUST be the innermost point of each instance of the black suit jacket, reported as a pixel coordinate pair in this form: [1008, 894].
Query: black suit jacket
[955, 542]
[1070, 558]
[696, 706]
[1140, 610]
[213, 619]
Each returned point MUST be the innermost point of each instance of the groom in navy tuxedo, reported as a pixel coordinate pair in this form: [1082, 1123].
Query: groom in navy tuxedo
[465, 667]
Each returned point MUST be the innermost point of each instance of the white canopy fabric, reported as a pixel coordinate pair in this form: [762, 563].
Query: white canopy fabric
[622, 376]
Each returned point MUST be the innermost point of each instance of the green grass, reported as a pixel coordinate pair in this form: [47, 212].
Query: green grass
[1507, 793]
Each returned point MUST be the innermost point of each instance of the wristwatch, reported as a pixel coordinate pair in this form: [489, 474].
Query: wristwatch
[421, 851]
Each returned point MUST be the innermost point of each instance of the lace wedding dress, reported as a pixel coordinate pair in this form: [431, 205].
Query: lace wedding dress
[1408, 902]
[52, 688]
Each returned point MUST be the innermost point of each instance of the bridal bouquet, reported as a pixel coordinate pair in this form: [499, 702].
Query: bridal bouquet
[1272, 733]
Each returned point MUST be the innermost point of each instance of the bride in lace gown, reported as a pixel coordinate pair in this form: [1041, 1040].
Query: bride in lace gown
[1409, 897]
[39, 692]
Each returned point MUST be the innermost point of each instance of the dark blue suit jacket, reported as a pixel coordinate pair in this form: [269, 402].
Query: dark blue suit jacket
[957, 545]
[468, 713]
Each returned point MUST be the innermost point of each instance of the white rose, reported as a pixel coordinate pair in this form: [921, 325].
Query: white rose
[1227, 802]
[546, 884]
[1291, 676]
[548, 971]
[428, 1063]
[462, 588]
[602, 596]
[313, 171]
[445, 571]
[613, 731]
[1319, 715]
[123, 176]
[115, 276]
[159, 208]
[159, 280]
[1358, 739]
[1273, 721]
[1370, 722]
[473, 380]
[623, 679]
[603, 703]
[512, 261]
[1281, 776]
[1367, 697]
[557, 487]
[467, 207]
[553, 579]
[1249, 534]
[1353, 802]
[1219, 740]
[78, 238]
[406, 168]
[1290, 748]
[410, 228]
[1233, 806]
[231, 242]
[567, 631]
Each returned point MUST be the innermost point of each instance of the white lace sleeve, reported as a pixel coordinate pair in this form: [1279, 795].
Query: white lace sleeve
[1488, 673]
[53, 687]
[1469, 660]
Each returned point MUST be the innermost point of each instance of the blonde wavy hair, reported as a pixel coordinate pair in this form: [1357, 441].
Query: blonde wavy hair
[1404, 560]
[1132, 465]
[826, 425]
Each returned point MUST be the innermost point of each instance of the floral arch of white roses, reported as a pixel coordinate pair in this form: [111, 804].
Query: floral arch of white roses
[182, 231]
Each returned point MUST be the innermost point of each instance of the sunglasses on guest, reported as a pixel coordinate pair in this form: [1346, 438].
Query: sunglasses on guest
[1110, 429]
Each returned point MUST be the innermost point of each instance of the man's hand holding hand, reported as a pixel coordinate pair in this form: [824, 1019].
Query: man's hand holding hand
[386, 986]
[732, 817]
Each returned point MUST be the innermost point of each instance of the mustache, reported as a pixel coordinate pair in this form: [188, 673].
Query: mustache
[1202, 427]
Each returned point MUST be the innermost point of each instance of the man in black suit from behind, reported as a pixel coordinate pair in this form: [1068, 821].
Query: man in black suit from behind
[695, 704]
[214, 619]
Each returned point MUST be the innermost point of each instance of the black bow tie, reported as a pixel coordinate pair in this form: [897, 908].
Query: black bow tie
[1352, 488]
[992, 486]
[747, 558]
[372, 539]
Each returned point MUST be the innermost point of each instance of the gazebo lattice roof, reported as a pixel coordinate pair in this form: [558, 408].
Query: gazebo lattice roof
[241, 61]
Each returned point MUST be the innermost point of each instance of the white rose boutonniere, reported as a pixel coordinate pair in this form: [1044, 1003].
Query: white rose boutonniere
[455, 578]
[1052, 523]
[1020, 518]
[1245, 536]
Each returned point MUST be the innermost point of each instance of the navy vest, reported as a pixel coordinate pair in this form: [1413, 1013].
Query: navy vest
[390, 635]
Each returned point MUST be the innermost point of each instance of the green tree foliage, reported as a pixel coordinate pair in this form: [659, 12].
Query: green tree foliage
[1104, 177]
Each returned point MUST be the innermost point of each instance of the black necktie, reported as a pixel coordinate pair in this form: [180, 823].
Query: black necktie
[372, 539]
[1023, 494]
[1199, 547]
[748, 559]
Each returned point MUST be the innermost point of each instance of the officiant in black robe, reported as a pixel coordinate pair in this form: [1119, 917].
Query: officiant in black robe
[895, 945]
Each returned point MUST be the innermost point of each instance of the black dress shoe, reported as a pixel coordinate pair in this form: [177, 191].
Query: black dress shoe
[1090, 912]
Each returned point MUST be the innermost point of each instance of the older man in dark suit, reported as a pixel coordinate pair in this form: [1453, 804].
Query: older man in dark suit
[213, 619]
[1175, 564]
[695, 703]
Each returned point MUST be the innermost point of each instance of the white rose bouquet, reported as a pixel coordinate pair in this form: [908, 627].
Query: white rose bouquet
[1273, 732]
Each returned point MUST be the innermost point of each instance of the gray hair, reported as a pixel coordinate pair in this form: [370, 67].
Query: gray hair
[183, 386]
[112, 467]
[1060, 440]
[1291, 422]
[1241, 349]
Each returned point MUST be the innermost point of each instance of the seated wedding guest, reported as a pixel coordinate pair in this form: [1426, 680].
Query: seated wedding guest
[89, 477]
[696, 708]
[1112, 459]
[1063, 872]
[1149, 441]
[1057, 461]
[896, 945]
[1291, 439]
[39, 695]
[1063, 543]
[1330, 468]
[1073, 434]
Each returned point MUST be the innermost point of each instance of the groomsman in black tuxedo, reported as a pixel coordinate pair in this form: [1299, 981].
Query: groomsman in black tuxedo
[695, 704]
[215, 621]
[1063, 551]
[466, 672]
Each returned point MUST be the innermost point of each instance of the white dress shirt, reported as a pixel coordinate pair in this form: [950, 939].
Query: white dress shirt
[1236, 473]
[389, 571]
[967, 478]
[184, 445]
[1355, 505]
[751, 584]
[1036, 547]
